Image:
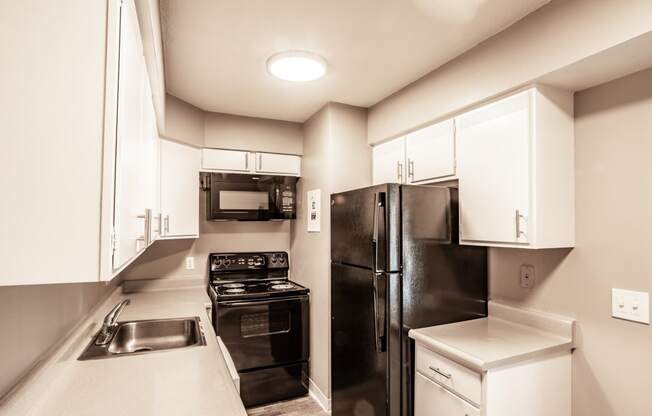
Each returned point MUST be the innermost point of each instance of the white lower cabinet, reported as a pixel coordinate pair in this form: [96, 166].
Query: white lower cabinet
[432, 399]
[179, 190]
[540, 386]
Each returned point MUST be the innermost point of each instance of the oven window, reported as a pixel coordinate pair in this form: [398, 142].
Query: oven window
[265, 323]
[248, 200]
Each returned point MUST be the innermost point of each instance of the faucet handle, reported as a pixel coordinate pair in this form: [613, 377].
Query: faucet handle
[106, 333]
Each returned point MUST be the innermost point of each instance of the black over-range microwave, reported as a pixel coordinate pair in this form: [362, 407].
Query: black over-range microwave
[232, 196]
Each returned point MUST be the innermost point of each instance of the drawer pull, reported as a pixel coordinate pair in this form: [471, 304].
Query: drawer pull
[441, 373]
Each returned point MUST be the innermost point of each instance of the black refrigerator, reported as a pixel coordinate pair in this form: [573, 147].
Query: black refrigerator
[395, 265]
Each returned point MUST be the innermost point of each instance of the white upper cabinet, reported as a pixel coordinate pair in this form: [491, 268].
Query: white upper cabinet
[389, 162]
[430, 152]
[278, 164]
[179, 190]
[515, 163]
[225, 160]
[239, 161]
[93, 157]
[130, 220]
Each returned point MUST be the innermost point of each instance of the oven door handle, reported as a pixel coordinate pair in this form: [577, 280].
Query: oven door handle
[233, 304]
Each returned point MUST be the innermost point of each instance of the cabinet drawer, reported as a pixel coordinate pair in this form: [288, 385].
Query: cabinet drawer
[430, 399]
[457, 378]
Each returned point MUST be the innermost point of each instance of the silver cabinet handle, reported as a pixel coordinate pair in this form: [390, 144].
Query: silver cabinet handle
[399, 171]
[519, 233]
[441, 373]
[260, 162]
[411, 169]
[167, 224]
[246, 155]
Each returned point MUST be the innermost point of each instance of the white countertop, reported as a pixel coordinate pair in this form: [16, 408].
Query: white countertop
[507, 336]
[190, 381]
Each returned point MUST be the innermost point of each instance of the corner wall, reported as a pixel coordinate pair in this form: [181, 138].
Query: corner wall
[613, 144]
[336, 158]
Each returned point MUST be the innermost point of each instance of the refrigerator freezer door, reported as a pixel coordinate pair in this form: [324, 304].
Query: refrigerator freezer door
[365, 228]
[443, 282]
[358, 366]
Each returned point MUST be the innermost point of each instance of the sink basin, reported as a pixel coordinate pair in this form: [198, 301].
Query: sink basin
[141, 337]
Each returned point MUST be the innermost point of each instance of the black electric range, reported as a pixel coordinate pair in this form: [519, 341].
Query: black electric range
[263, 319]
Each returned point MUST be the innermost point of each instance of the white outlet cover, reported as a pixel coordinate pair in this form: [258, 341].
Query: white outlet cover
[190, 263]
[630, 305]
[527, 276]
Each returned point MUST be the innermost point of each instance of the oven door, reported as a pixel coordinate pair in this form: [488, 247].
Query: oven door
[262, 333]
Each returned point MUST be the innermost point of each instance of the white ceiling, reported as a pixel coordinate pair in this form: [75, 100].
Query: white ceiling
[215, 50]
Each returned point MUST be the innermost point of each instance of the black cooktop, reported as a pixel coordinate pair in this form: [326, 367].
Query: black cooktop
[257, 289]
[251, 275]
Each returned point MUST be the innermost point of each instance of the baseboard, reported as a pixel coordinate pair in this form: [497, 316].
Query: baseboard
[320, 397]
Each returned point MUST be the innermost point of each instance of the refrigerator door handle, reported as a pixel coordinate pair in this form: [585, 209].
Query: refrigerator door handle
[380, 312]
[379, 239]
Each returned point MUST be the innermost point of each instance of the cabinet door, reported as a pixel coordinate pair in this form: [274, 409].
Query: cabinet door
[150, 170]
[431, 152]
[179, 190]
[431, 399]
[494, 171]
[129, 208]
[389, 162]
[278, 164]
[225, 160]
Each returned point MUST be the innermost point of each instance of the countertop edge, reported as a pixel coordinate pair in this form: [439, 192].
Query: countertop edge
[478, 365]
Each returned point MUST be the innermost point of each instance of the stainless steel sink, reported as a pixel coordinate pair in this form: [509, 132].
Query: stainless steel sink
[142, 337]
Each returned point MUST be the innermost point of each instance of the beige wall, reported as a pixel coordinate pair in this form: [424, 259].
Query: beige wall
[166, 259]
[188, 124]
[183, 122]
[613, 361]
[35, 318]
[553, 37]
[336, 158]
[228, 131]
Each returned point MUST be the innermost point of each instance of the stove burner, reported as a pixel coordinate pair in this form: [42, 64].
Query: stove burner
[233, 285]
[277, 282]
[234, 290]
[283, 286]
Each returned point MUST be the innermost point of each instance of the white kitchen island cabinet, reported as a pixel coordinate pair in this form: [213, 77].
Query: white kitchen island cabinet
[515, 162]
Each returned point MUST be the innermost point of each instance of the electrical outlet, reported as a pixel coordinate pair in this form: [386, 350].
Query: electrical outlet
[630, 305]
[190, 263]
[527, 276]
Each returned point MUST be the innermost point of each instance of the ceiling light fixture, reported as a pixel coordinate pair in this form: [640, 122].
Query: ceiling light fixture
[297, 66]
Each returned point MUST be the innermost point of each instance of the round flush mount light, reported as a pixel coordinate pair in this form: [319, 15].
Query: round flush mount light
[297, 66]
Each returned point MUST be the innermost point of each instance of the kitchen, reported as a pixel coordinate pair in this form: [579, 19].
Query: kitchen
[504, 250]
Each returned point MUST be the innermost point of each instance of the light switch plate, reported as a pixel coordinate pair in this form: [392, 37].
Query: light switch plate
[527, 276]
[190, 263]
[630, 305]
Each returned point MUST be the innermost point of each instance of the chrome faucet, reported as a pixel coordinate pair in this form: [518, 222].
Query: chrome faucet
[110, 324]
